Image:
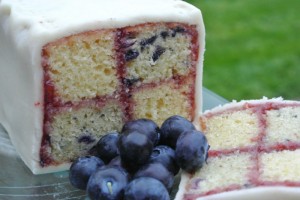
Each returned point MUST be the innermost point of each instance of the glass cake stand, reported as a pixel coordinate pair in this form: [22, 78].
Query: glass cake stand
[18, 183]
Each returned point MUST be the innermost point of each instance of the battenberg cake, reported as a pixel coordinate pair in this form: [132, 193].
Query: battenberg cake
[70, 71]
[254, 152]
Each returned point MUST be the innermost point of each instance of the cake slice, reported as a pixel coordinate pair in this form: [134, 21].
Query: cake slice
[254, 153]
[73, 70]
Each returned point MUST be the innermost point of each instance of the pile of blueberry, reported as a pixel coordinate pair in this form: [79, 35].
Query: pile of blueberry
[141, 161]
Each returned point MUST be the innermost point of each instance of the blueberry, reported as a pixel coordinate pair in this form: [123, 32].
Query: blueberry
[176, 30]
[81, 170]
[147, 41]
[164, 34]
[86, 139]
[131, 54]
[127, 42]
[166, 156]
[172, 128]
[157, 171]
[146, 188]
[135, 149]
[157, 53]
[130, 81]
[107, 147]
[107, 183]
[115, 162]
[144, 126]
[191, 150]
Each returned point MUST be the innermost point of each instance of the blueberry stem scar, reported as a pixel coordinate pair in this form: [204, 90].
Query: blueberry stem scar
[109, 186]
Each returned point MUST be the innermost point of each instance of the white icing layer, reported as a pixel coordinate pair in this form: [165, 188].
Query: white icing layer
[27, 25]
[261, 193]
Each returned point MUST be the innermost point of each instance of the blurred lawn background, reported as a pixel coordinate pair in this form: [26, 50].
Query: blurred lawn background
[252, 48]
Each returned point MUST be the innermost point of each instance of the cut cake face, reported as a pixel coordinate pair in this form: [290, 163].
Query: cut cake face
[96, 81]
[67, 80]
[255, 148]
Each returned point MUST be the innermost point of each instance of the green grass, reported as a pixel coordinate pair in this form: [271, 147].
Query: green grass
[252, 48]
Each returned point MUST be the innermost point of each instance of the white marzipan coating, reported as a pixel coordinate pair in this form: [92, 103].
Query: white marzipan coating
[261, 193]
[27, 25]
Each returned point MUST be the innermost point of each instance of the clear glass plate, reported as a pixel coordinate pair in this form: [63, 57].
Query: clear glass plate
[18, 183]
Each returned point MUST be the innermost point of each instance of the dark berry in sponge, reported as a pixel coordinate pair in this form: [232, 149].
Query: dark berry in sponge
[135, 149]
[191, 150]
[157, 171]
[116, 161]
[107, 183]
[81, 170]
[145, 126]
[172, 128]
[107, 148]
[145, 188]
[166, 156]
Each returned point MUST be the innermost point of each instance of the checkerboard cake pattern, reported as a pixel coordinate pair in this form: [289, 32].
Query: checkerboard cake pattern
[253, 143]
